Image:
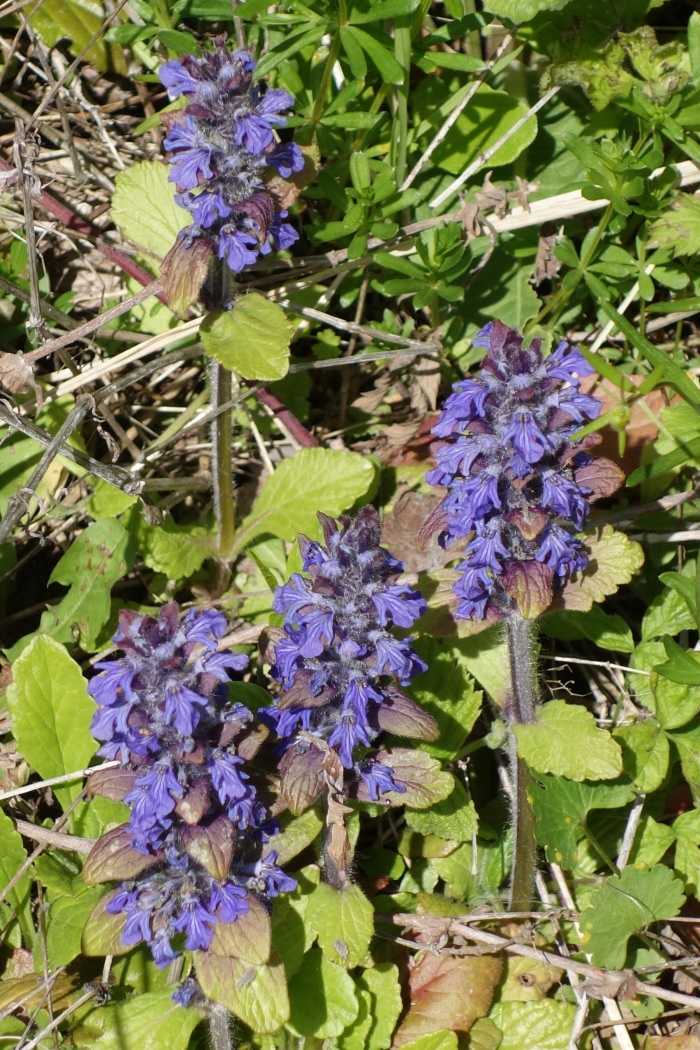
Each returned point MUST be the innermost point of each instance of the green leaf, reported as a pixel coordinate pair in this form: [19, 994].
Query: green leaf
[82, 23]
[645, 753]
[144, 208]
[607, 630]
[252, 339]
[100, 555]
[107, 501]
[51, 713]
[381, 983]
[679, 227]
[443, 1040]
[522, 10]
[175, 550]
[626, 905]
[682, 666]
[12, 857]
[614, 559]
[291, 937]
[669, 612]
[687, 741]
[688, 451]
[255, 994]
[323, 998]
[652, 842]
[103, 930]
[383, 9]
[673, 704]
[146, 1022]
[545, 1025]
[489, 115]
[343, 921]
[454, 818]
[686, 829]
[66, 920]
[390, 70]
[424, 782]
[446, 691]
[484, 1035]
[566, 741]
[561, 807]
[686, 587]
[656, 357]
[315, 479]
[296, 836]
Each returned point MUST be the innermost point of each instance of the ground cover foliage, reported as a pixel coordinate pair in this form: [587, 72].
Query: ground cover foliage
[176, 410]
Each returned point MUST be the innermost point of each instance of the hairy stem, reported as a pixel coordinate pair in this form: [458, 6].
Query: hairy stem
[520, 710]
[220, 1028]
[221, 438]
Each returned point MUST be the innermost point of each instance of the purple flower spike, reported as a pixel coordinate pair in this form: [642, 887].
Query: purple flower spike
[163, 710]
[220, 146]
[515, 476]
[337, 660]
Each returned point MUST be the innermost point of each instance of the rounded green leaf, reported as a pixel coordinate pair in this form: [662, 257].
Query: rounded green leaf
[255, 994]
[566, 741]
[323, 999]
[144, 208]
[487, 117]
[344, 922]
[534, 1026]
[252, 339]
[315, 479]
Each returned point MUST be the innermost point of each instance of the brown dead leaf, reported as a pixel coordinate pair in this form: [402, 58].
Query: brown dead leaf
[546, 263]
[17, 376]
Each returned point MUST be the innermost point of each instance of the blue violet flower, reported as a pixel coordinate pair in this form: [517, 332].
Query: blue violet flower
[340, 666]
[517, 481]
[223, 150]
[194, 853]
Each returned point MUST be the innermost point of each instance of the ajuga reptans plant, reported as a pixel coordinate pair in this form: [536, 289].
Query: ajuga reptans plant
[194, 852]
[222, 147]
[340, 666]
[519, 487]
[517, 480]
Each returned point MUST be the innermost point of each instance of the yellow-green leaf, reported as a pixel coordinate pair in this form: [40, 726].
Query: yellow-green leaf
[614, 559]
[252, 339]
[566, 741]
[144, 208]
[51, 713]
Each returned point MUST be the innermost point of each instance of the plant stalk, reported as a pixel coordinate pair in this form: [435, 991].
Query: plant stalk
[220, 1028]
[221, 439]
[520, 710]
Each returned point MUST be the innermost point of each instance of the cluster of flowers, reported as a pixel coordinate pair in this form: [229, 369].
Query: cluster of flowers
[220, 144]
[196, 839]
[338, 663]
[514, 474]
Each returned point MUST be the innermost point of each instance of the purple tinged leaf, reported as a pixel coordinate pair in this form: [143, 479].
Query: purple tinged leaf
[420, 775]
[400, 715]
[195, 802]
[113, 858]
[103, 930]
[302, 777]
[248, 938]
[114, 784]
[211, 846]
[529, 583]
